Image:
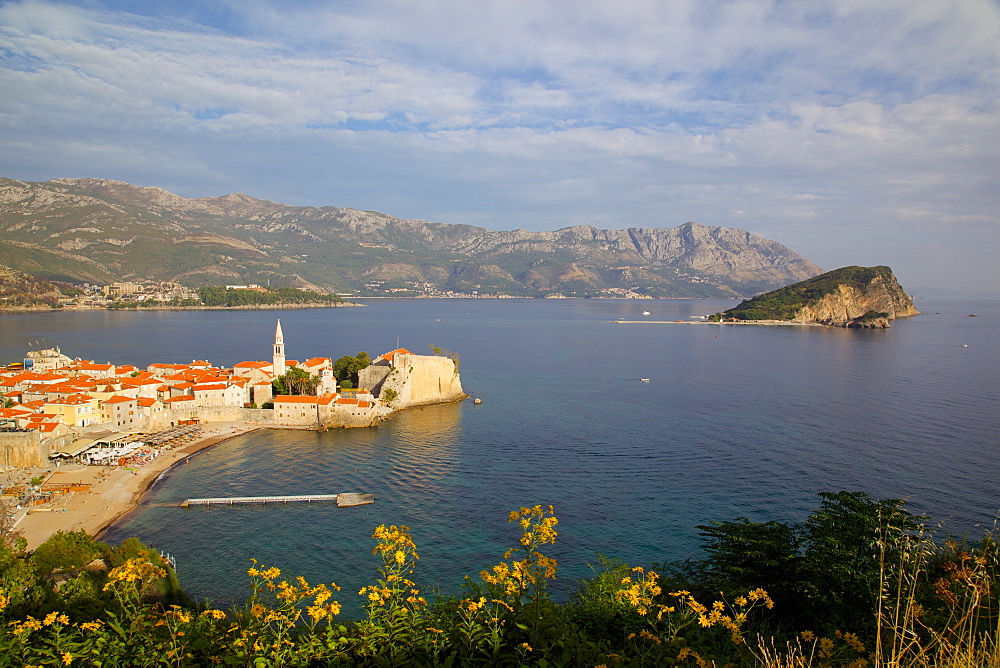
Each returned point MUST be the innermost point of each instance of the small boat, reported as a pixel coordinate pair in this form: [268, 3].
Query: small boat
[645, 312]
[973, 315]
[644, 380]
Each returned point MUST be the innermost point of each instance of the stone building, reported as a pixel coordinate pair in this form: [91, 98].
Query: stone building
[402, 379]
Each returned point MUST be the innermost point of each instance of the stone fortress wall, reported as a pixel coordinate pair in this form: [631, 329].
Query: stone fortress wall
[415, 380]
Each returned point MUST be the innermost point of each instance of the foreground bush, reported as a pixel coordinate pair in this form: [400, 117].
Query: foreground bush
[912, 602]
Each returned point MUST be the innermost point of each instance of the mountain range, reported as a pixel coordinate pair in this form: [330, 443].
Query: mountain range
[101, 231]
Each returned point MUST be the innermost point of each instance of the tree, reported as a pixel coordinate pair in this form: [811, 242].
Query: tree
[745, 555]
[296, 381]
[346, 368]
[849, 539]
[444, 352]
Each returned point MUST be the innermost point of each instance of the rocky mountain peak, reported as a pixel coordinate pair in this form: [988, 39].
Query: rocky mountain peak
[69, 227]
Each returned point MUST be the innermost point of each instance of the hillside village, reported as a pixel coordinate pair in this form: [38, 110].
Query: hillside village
[57, 408]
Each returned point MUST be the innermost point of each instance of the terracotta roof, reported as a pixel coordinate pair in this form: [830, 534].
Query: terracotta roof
[42, 376]
[294, 399]
[146, 402]
[205, 387]
[117, 399]
[345, 400]
[71, 400]
[139, 382]
[96, 367]
[389, 355]
[251, 365]
[183, 397]
[174, 367]
[42, 426]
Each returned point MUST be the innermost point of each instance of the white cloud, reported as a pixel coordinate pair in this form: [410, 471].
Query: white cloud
[811, 121]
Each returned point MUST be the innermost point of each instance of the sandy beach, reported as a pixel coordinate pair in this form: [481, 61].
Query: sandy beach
[114, 491]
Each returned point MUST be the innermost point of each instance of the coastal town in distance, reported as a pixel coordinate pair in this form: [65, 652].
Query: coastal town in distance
[81, 440]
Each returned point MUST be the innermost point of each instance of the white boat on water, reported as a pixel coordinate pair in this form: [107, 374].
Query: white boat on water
[645, 312]
[644, 380]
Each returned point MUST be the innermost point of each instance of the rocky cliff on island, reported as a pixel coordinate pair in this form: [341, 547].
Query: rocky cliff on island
[847, 297]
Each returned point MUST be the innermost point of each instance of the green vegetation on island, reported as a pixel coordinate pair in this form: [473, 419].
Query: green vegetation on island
[295, 381]
[870, 285]
[219, 296]
[346, 368]
[860, 582]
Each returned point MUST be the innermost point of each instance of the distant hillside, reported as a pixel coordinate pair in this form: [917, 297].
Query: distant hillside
[851, 296]
[21, 290]
[99, 231]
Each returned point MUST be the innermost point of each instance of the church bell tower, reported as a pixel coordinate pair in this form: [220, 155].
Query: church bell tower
[278, 363]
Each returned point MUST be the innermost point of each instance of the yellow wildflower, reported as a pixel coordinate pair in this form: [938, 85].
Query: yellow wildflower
[67, 658]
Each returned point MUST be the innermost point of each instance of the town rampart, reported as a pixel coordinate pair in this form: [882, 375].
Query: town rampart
[22, 449]
[417, 380]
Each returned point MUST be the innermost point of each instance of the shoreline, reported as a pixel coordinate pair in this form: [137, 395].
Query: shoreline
[114, 492]
[765, 323]
[246, 307]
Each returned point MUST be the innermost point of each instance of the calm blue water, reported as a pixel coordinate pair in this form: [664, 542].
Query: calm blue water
[736, 421]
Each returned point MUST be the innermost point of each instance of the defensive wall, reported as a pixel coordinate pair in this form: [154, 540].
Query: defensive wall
[414, 380]
[23, 448]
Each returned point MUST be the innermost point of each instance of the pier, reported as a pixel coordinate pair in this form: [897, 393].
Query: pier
[344, 499]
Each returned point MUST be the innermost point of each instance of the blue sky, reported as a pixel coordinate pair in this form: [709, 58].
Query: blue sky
[854, 132]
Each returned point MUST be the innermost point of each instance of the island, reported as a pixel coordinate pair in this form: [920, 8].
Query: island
[847, 297]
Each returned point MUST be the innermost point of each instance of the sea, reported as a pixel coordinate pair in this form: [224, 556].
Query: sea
[734, 421]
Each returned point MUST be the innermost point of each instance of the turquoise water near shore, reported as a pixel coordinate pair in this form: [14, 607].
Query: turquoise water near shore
[735, 421]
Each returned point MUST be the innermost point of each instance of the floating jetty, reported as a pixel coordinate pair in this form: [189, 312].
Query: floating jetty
[343, 499]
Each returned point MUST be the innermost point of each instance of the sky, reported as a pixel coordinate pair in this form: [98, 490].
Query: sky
[852, 131]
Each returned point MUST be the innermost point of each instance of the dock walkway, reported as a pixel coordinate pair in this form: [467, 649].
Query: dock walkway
[345, 499]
